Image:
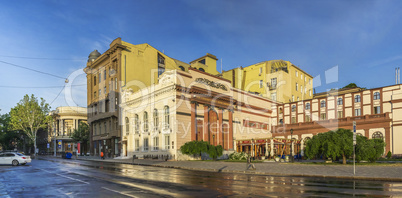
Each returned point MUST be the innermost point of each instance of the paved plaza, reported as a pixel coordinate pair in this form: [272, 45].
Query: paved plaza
[386, 172]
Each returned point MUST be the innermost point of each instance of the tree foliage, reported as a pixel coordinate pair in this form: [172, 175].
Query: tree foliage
[81, 134]
[351, 85]
[339, 143]
[29, 116]
[199, 147]
[8, 137]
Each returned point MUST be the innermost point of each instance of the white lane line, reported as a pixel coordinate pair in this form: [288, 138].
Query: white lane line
[118, 192]
[73, 178]
[66, 177]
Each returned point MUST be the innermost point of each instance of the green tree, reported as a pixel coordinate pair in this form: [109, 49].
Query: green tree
[81, 134]
[199, 147]
[350, 85]
[8, 138]
[334, 144]
[29, 116]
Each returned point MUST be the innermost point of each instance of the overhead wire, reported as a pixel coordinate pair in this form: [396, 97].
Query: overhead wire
[49, 87]
[27, 68]
[41, 58]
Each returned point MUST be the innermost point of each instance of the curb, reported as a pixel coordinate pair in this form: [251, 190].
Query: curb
[260, 173]
[254, 172]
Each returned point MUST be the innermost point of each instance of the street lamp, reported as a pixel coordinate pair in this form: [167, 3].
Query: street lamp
[291, 142]
[213, 139]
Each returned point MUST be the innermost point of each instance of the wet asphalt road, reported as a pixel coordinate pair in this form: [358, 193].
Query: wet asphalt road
[75, 178]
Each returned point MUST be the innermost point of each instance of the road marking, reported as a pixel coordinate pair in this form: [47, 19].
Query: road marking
[67, 177]
[118, 192]
[73, 178]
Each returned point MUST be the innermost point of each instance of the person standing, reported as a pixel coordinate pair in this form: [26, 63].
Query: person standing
[101, 155]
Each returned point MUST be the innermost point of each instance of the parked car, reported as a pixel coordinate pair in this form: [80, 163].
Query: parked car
[14, 158]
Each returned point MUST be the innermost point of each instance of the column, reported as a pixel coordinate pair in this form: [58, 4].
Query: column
[193, 121]
[266, 148]
[205, 134]
[235, 146]
[272, 147]
[230, 129]
[302, 147]
[220, 123]
[387, 139]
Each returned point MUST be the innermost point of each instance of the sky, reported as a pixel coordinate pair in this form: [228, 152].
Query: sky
[337, 42]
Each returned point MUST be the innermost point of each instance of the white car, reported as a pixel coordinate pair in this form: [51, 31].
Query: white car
[14, 158]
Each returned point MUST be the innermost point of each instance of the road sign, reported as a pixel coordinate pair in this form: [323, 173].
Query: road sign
[59, 144]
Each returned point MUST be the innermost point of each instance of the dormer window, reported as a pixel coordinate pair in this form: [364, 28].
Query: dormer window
[202, 61]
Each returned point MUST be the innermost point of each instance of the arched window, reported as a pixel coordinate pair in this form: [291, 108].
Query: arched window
[377, 135]
[202, 69]
[306, 139]
[377, 96]
[308, 106]
[156, 119]
[340, 101]
[127, 125]
[293, 108]
[322, 103]
[167, 118]
[137, 123]
[357, 98]
[181, 68]
[146, 121]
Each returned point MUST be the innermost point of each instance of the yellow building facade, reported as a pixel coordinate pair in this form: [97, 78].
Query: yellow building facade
[278, 80]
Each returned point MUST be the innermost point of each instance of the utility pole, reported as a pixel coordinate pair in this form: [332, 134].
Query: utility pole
[354, 147]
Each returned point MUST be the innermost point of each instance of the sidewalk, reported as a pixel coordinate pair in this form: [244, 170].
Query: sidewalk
[392, 172]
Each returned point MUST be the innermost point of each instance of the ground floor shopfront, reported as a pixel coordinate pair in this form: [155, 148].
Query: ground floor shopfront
[269, 148]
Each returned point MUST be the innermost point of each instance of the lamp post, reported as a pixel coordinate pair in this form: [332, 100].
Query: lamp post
[291, 145]
[252, 148]
[213, 139]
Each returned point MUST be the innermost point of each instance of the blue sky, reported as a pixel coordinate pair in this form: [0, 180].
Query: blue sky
[362, 38]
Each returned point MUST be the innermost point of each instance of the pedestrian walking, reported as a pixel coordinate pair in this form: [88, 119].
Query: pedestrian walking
[249, 164]
[101, 155]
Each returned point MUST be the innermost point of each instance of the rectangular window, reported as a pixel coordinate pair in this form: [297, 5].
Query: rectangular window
[377, 110]
[297, 74]
[99, 77]
[156, 143]
[104, 89]
[100, 92]
[273, 96]
[323, 116]
[260, 70]
[145, 144]
[309, 81]
[301, 88]
[137, 145]
[273, 83]
[104, 75]
[95, 94]
[261, 83]
[94, 127]
[115, 83]
[167, 142]
[358, 112]
[340, 114]
[307, 119]
[293, 98]
[293, 120]
[161, 64]
[310, 92]
[94, 80]
[297, 87]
